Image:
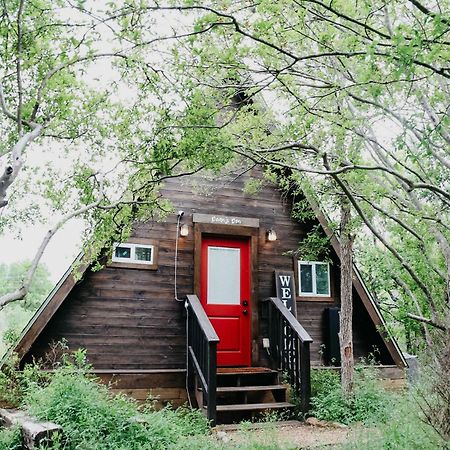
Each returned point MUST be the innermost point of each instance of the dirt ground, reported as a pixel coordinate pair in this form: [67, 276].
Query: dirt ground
[289, 435]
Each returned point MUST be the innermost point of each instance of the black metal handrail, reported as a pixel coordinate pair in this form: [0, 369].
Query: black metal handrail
[289, 347]
[202, 355]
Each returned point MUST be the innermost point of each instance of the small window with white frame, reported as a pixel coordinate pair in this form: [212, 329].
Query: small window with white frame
[135, 255]
[314, 279]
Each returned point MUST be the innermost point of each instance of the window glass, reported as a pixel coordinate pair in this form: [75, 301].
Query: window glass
[224, 281]
[123, 252]
[306, 281]
[135, 255]
[143, 253]
[322, 285]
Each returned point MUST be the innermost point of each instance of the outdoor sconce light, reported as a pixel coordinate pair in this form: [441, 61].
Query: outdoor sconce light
[184, 230]
[271, 235]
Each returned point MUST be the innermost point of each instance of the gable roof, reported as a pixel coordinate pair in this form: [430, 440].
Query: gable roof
[68, 281]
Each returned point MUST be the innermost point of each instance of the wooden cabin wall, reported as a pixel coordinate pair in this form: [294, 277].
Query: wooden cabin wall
[128, 319]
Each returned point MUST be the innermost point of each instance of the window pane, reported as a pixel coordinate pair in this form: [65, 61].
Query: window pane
[122, 252]
[143, 254]
[306, 279]
[224, 281]
[322, 286]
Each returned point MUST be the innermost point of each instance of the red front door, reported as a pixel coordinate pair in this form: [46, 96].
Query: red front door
[225, 295]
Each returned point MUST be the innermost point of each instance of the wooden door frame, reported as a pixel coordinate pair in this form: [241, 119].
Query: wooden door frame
[233, 231]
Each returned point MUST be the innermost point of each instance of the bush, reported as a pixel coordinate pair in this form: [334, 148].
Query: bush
[369, 402]
[90, 415]
[14, 383]
[93, 418]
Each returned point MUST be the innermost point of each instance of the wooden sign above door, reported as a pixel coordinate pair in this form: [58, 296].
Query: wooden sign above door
[226, 220]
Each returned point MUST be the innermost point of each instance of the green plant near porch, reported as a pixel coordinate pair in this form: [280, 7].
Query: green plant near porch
[92, 417]
[369, 402]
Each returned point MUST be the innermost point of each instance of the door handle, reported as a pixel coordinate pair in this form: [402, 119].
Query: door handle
[245, 312]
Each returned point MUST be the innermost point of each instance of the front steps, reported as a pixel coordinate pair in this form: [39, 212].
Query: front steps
[245, 393]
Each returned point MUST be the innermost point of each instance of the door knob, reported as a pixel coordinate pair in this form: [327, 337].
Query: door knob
[245, 303]
[245, 312]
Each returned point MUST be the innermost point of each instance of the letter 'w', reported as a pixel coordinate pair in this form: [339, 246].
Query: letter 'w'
[285, 280]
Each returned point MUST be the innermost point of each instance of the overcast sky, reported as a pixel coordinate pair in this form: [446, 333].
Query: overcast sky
[61, 251]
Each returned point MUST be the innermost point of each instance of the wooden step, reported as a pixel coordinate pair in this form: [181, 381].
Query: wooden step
[253, 406]
[246, 376]
[224, 371]
[271, 387]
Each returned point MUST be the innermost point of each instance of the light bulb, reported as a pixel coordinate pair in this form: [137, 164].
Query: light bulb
[184, 230]
[271, 235]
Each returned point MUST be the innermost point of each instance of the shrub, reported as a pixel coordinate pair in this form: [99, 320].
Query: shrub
[322, 380]
[93, 418]
[368, 403]
[14, 383]
[90, 415]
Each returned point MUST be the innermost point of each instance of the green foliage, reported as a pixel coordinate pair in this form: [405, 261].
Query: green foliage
[10, 439]
[91, 416]
[302, 211]
[15, 316]
[369, 403]
[315, 246]
[16, 383]
[404, 428]
[253, 186]
[11, 276]
[323, 380]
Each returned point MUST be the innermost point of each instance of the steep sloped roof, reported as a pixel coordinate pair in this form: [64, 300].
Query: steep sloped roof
[48, 308]
[59, 294]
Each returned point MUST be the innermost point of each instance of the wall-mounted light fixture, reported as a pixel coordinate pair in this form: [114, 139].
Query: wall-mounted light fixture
[184, 230]
[271, 235]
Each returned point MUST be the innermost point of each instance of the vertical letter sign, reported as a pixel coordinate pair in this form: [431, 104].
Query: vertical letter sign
[285, 287]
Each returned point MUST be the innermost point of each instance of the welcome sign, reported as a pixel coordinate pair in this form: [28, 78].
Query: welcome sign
[285, 289]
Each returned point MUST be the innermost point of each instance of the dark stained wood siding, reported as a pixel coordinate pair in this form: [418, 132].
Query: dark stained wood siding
[129, 319]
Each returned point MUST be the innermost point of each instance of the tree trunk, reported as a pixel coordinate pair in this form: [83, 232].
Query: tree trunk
[345, 332]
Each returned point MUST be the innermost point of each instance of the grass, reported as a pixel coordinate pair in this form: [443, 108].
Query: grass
[404, 428]
[10, 439]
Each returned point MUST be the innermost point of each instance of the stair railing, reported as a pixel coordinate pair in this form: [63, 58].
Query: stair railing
[202, 355]
[289, 348]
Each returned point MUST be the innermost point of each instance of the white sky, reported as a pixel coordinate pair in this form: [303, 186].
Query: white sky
[61, 251]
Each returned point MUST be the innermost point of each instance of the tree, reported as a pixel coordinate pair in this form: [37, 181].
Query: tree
[75, 92]
[369, 78]
[346, 315]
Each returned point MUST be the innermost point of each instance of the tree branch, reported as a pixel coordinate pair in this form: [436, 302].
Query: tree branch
[427, 321]
[18, 68]
[378, 235]
[12, 170]
[22, 291]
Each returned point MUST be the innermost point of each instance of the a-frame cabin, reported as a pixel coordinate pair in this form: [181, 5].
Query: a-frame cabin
[229, 330]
